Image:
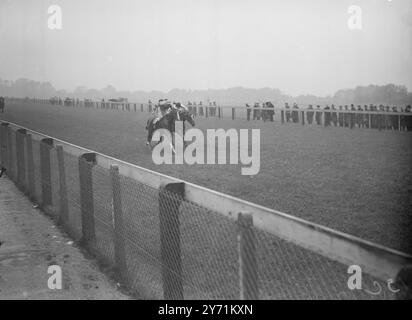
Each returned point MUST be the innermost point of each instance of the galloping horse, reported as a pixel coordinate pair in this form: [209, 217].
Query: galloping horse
[168, 122]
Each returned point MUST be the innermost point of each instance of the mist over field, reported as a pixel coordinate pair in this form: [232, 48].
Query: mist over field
[388, 94]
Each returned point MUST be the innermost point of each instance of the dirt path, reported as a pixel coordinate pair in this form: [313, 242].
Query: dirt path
[30, 243]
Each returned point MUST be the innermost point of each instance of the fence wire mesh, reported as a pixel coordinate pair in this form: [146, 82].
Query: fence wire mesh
[288, 271]
[170, 246]
[37, 171]
[13, 159]
[74, 223]
[140, 210]
[103, 213]
[55, 188]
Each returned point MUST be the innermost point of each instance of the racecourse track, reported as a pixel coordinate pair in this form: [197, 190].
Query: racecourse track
[355, 180]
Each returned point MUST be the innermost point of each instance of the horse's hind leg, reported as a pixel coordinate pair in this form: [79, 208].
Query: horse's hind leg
[149, 128]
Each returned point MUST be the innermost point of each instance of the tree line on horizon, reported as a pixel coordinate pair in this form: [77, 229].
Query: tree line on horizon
[389, 94]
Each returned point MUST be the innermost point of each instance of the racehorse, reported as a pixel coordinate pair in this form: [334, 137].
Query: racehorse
[168, 122]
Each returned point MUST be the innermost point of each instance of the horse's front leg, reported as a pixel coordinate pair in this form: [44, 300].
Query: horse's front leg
[148, 137]
[172, 145]
[184, 130]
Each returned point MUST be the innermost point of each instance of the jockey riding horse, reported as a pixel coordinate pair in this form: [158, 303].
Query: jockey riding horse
[166, 114]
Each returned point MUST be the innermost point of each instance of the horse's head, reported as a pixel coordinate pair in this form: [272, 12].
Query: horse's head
[185, 115]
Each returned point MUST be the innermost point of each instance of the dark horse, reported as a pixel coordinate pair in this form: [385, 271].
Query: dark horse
[168, 122]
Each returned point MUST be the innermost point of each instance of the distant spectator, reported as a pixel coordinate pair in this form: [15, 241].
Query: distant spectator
[270, 113]
[256, 111]
[287, 112]
[327, 116]
[334, 116]
[248, 111]
[295, 113]
[310, 114]
[408, 119]
[318, 115]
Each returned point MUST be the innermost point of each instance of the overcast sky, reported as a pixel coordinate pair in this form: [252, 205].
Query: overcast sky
[298, 46]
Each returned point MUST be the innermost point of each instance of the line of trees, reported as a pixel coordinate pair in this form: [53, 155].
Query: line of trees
[389, 94]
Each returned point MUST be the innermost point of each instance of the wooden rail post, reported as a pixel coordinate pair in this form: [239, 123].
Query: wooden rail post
[303, 117]
[219, 110]
[45, 146]
[248, 275]
[10, 169]
[282, 116]
[135, 107]
[4, 145]
[64, 204]
[118, 228]
[170, 198]
[207, 111]
[20, 159]
[30, 168]
[86, 163]
[1, 146]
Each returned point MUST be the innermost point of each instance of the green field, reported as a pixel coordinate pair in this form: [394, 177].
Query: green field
[358, 181]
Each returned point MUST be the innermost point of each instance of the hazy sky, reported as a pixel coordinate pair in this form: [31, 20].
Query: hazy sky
[298, 46]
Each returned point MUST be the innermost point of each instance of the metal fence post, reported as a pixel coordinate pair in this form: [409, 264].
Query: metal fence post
[233, 113]
[282, 116]
[170, 198]
[64, 204]
[86, 163]
[20, 159]
[45, 146]
[119, 231]
[207, 112]
[303, 118]
[248, 276]
[30, 168]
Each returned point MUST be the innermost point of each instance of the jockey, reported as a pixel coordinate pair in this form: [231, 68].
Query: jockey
[162, 108]
[179, 106]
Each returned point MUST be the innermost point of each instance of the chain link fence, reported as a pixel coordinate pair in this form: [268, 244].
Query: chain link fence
[160, 244]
